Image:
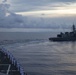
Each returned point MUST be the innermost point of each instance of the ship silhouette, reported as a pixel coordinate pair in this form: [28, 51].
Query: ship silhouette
[67, 36]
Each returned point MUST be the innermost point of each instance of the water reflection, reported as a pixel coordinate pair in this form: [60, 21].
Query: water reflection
[73, 46]
[46, 58]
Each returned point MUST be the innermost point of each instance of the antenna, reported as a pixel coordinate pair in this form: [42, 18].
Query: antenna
[73, 27]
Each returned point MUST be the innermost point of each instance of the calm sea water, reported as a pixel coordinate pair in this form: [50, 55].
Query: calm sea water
[38, 55]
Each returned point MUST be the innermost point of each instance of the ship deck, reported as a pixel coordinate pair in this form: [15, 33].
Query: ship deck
[2, 74]
[8, 64]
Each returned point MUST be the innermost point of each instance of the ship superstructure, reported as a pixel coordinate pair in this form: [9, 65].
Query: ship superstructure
[67, 36]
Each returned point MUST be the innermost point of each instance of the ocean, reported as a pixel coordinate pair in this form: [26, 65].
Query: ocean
[38, 55]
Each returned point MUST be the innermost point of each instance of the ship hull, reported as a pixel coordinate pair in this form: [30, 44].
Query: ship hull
[63, 39]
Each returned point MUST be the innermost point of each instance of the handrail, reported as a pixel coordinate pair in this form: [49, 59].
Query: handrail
[8, 69]
[13, 60]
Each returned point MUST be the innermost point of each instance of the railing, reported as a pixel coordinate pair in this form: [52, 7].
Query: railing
[13, 60]
[8, 69]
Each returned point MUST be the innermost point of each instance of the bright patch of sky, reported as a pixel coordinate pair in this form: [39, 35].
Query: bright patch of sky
[48, 8]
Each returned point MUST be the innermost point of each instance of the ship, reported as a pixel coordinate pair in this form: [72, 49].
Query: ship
[66, 36]
[8, 64]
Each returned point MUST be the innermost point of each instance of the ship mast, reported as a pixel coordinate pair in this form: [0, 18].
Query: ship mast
[73, 28]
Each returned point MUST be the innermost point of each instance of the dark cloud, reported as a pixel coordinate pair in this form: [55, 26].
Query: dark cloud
[15, 20]
[9, 19]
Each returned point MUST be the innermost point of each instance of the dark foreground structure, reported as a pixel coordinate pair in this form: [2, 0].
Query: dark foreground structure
[8, 64]
[67, 36]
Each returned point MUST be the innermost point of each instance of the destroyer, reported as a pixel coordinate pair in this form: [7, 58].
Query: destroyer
[67, 36]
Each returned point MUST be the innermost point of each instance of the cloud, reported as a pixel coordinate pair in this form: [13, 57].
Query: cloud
[7, 18]
[54, 22]
[45, 13]
[30, 5]
[56, 10]
[4, 1]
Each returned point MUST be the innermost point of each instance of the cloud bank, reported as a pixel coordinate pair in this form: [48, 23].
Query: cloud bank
[30, 5]
[7, 18]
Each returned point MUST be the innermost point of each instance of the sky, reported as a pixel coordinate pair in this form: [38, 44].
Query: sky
[48, 8]
[37, 13]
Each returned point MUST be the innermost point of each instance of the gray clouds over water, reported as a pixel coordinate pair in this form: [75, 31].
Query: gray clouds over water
[37, 13]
